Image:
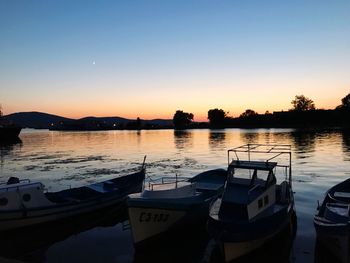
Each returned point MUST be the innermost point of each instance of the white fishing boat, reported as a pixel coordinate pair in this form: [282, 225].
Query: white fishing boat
[173, 204]
[24, 203]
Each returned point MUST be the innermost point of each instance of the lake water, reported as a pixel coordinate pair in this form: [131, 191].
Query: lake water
[68, 159]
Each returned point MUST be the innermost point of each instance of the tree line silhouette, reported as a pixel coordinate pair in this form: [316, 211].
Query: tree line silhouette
[303, 114]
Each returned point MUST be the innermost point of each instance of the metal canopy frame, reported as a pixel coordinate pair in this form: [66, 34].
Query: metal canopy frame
[275, 150]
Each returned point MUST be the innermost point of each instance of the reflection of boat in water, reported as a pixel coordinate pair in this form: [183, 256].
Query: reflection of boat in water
[276, 250]
[332, 221]
[7, 146]
[24, 203]
[187, 245]
[253, 208]
[172, 205]
[8, 130]
[32, 244]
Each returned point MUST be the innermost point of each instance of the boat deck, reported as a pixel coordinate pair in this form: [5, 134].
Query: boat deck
[75, 194]
[103, 187]
[215, 186]
[242, 193]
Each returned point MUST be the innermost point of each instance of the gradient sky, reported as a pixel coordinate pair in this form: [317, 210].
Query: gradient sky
[150, 58]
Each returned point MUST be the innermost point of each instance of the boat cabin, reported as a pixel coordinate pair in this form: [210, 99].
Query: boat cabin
[22, 194]
[250, 189]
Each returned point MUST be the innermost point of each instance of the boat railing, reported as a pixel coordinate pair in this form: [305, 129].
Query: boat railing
[18, 186]
[20, 181]
[153, 182]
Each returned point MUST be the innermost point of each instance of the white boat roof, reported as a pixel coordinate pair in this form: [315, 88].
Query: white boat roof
[182, 189]
[20, 184]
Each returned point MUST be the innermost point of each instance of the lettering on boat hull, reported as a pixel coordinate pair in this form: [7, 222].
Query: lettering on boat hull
[146, 223]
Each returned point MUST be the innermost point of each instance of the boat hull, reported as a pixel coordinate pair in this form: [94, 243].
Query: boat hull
[335, 238]
[238, 240]
[149, 223]
[186, 206]
[236, 250]
[9, 133]
[26, 218]
[332, 221]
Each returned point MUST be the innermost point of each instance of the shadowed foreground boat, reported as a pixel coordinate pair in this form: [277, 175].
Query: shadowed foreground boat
[24, 203]
[31, 244]
[332, 221]
[253, 208]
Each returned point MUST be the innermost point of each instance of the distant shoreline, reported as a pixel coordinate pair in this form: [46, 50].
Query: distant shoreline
[338, 118]
[329, 128]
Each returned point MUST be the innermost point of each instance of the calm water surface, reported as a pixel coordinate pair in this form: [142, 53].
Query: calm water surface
[68, 159]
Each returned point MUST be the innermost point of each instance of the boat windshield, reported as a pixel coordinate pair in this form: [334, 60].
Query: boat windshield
[250, 173]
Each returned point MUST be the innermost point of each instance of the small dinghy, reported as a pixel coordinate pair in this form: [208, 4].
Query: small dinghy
[332, 221]
[173, 204]
[253, 208]
[24, 203]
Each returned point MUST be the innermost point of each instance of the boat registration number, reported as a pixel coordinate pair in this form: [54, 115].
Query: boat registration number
[153, 217]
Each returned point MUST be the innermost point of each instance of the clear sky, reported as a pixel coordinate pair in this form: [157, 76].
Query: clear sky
[149, 58]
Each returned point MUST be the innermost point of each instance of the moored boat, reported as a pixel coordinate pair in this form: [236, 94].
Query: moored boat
[24, 203]
[173, 204]
[8, 130]
[254, 208]
[332, 221]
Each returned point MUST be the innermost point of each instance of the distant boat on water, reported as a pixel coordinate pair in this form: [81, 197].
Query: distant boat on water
[8, 130]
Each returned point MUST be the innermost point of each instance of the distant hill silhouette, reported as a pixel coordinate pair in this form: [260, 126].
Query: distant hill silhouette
[40, 120]
[33, 119]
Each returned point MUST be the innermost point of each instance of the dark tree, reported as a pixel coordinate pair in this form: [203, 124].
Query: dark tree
[345, 102]
[138, 123]
[216, 117]
[302, 103]
[182, 120]
[248, 113]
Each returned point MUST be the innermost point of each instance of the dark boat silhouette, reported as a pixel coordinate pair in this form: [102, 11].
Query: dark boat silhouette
[8, 130]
